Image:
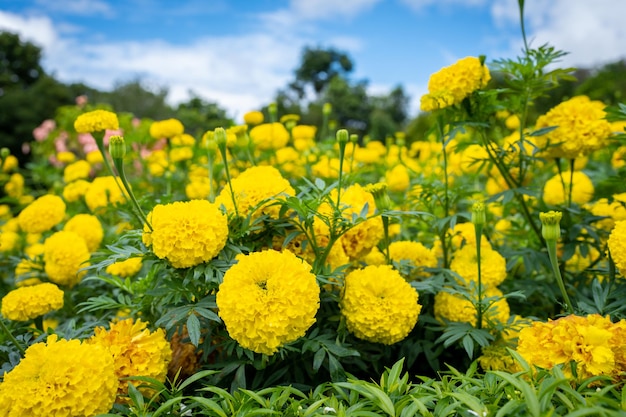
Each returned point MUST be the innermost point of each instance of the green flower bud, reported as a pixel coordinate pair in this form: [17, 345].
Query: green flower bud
[342, 136]
[327, 108]
[117, 147]
[219, 134]
[354, 138]
[4, 152]
[479, 216]
[381, 198]
[550, 225]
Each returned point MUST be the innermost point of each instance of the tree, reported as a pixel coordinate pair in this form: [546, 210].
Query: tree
[19, 62]
[198, 116]
[318, 68]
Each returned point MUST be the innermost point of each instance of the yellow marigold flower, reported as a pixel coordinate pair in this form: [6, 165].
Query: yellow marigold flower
[256, 185]
[374, 257]
[76, 171]
[96, 121]
[418, 256]
[166, 128]
[198, 189]
[360, 239]
[268, 136]
[182, 153]
[183, 140]
[612, 211]
[457, 308]
[582, 189]
[104, 191]
[582, 128]
[618, 157]
[304, 132]
[42, 214]
[136, 351]
[379, 305]
[29, 302]
[473, 159]
[15, 186]
[398, 178]
[75, 190]
[464, 234]
[10, 163]
[186, 233]
[452, 84]
[588, 342]
[617, 245]
[94, 157]
[64, 254]
[512, 122]
[268, 299]
[27, 272]
[88, 227]
[492, 265]
[66, 157]
[127, 268]
[60, 378]
[253, 118]
[498, 358]
[9, 241]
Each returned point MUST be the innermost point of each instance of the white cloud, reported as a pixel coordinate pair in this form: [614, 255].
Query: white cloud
[36, 29]
[323, 9]
[77, 7]
[592, 32]
[419, 5]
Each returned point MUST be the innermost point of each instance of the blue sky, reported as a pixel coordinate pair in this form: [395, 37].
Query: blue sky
[239, 53]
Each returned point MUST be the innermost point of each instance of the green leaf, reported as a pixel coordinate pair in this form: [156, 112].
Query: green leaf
[318, 359]
[193, 327]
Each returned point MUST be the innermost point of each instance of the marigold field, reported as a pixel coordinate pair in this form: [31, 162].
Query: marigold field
[279, 268]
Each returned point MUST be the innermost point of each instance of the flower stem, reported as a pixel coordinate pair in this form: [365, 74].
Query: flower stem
[551, 245]
[119, 166]
[12, 338]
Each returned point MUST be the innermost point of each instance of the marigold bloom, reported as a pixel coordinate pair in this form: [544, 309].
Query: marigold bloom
[492, 265]
[457, 308]
[9, 241]
[27, 303]
[64, 254]
[96, 121]
[76, 171]
[582, 189]
[398, 178]
[166, 128]
[268, 136]
[253, 118]
[135, 349]
[452, 84]
[42, 214]
[75, 190]
[613, 211]
[617, 245]
[15, 186]
[186, 233]
[104, 191]
[60, 378]
[379, 305]
[10, 163]
[581, 128]
[88, 227]
[418, 256]
[498, 358]
[360, 239]
[268, 299]
[252, 187]
[590, 342]
[127, 268]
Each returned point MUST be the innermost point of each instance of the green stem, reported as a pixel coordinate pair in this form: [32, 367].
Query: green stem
[479, 307]
[551, 245]
[211, 155]
[228, 179]
[119, 165]
[386, 230]
[12, 338]
[571, 182]
[99, 136]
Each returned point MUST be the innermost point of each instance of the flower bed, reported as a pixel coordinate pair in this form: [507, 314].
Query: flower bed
[267, 268]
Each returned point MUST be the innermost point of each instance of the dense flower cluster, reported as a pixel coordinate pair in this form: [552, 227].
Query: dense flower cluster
[76, 171]
[617, 245]
[88, 227]
[186, 233]
[104, 191]
[455, 307]
[492, 265]
[269, 136]
[268, 299]
[581, 188]
[29, 302]
[96, 121]
[42, 214]
[593, 343]
[166, 128]
[64, 254]
[60, 378]
[255, 189]
[416, 254]
[581, 128]
[452, 84]
[135, 349]
[379, 305]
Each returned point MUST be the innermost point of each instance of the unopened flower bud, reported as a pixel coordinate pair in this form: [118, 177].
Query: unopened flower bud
[327, 108]
[4, 152]
[219, 134]
[550, 225]
[478, 214]
[117, 147]
[272, 110]
[342, 136]
[354, 138]
[381, 198]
